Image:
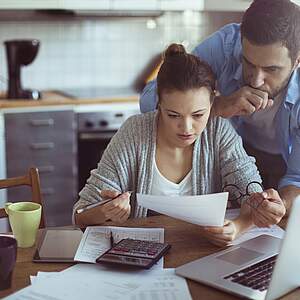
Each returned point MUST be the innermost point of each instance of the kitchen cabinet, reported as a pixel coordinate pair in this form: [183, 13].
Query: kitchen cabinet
[103, 5]
[48, 141]
[30, 4]
[134, 5]
[55, 4]
[180, 5]
[93, 6]
[230, 5]
[86, 4]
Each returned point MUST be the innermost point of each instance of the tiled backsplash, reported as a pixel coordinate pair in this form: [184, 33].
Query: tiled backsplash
[103, 51]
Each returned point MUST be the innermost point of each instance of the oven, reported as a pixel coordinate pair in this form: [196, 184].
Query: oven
[95, 130]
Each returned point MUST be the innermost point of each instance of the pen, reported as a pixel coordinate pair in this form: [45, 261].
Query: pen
[111, 239]
[80, 210]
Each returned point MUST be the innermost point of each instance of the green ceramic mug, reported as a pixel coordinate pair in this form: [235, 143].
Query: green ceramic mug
[24, 219]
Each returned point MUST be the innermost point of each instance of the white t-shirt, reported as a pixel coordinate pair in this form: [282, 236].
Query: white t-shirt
[162, 186]
[259, 129]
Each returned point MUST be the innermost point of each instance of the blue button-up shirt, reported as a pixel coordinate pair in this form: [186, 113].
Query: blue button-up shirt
[223, 51]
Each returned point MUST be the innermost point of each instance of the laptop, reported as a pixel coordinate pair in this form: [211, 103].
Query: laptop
[264, 267]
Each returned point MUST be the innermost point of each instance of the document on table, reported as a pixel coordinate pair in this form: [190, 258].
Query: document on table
[42, 275]
[206, 210]
[88, 281]
[162, 287]
[274, 230]
[96, 239]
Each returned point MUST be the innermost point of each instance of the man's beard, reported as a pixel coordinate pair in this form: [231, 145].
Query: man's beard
[277, 90]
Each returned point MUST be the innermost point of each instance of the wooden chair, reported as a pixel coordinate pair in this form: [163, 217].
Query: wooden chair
[32, 179]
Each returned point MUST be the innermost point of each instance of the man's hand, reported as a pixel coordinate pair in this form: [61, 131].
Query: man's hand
[244, 101]
[220, 236]
[117, 210]
[267, 208]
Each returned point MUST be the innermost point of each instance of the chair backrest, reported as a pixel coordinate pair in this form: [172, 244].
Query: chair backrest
[32, 179]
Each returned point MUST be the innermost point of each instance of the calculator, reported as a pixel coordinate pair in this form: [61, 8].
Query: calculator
[135, 253]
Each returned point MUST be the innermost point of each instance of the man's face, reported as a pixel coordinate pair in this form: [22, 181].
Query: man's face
[266, 68]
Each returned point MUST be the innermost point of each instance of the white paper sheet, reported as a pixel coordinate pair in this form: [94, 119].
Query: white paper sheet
[206, 210]
[42, 275]
[274, 230]
[164, 286]
[96, 239]
[92, 281]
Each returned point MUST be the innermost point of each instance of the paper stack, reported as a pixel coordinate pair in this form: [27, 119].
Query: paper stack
[93, 281]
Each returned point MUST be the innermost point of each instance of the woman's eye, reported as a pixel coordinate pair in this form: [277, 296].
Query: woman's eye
[198, 116]
[272, 69]
[173, 116]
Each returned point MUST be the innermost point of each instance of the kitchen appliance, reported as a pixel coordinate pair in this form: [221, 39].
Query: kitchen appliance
[20, 53]
[95, 130]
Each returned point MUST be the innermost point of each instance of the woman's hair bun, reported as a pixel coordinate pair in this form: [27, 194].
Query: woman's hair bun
[174, 50]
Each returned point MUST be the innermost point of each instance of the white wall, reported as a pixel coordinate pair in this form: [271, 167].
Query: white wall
[102, 51]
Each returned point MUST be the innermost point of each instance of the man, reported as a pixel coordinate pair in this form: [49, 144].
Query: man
[256, 65]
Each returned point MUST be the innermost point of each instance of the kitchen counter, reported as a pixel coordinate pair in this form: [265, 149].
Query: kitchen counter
[47, 133]
[54, 99]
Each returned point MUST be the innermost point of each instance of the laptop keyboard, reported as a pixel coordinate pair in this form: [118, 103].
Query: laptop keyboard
[257, 276]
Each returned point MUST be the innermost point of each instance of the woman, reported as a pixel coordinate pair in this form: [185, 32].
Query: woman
[177, 150]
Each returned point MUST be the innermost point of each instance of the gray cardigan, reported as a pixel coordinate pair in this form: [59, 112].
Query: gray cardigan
[127, 163]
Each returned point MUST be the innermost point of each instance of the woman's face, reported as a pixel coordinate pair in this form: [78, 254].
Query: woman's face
[184, 115]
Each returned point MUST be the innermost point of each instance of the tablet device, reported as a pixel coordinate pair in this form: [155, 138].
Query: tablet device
[58, 245]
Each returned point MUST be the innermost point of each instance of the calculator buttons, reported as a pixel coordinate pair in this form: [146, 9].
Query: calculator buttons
[138, 248]
[135, 253]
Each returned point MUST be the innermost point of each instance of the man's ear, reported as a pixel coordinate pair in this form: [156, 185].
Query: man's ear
[158, 106]
[297, 62]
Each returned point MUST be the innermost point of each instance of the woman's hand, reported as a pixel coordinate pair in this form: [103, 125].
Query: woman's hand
[117, 210]
[221, 236]
[267, 208]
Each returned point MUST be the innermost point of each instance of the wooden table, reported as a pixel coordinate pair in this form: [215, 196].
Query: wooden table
[187, 245]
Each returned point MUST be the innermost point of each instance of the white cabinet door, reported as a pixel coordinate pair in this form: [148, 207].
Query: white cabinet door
[30, 4]
[180, 5]
[134, 4]
[226, 5]
[86, 4]
[230, 5]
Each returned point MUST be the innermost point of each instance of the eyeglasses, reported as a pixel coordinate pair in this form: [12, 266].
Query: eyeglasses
[236, 195]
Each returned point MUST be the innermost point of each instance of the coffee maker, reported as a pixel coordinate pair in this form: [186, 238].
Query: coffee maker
[20, 53]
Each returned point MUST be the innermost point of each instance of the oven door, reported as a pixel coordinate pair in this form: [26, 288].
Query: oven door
[91, 146]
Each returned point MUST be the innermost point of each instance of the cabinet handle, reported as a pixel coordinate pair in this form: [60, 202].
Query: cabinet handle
[42, 146]
[96, 135]
[45, 169]
[47, 191]
[44, 122]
